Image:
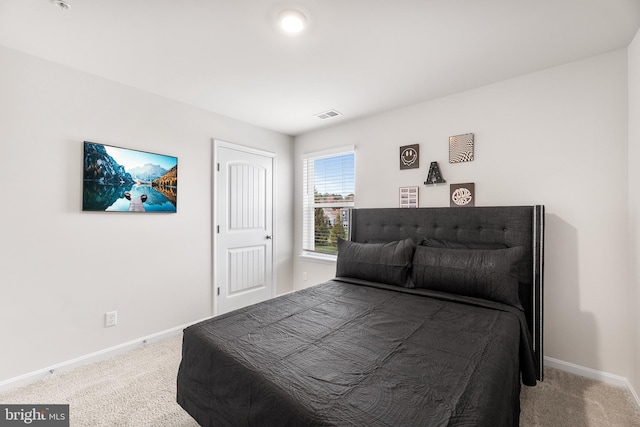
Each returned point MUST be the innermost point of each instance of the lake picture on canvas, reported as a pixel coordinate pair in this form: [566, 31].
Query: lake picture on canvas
[124, 180]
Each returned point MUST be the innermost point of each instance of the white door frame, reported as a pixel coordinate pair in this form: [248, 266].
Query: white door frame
[217, 143]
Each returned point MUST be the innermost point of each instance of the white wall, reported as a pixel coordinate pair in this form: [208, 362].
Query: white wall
[634, 191]
[62, 269]
[557, 137]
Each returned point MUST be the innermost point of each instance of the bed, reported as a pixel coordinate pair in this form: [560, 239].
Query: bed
[434, 318]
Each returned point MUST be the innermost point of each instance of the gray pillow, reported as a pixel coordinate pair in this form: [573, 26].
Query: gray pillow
[388, 263]
[470, 272]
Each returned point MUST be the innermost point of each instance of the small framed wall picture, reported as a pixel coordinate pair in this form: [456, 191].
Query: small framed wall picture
[461, 148]
[462, 195]
[408, 197]
[410, 156]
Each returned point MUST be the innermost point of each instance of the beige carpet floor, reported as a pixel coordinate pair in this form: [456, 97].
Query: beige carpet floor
[138, 389]
[563, 399]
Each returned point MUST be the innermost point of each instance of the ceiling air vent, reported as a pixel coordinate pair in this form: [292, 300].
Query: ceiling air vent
[328, 114]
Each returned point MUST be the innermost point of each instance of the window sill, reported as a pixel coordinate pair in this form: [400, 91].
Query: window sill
[317, 257]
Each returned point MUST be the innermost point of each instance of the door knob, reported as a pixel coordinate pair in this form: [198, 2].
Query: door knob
[269, 237]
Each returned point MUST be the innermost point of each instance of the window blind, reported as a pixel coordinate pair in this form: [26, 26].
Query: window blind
[329, 193]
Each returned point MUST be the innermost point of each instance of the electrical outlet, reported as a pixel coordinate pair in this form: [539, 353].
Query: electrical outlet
[110, 319]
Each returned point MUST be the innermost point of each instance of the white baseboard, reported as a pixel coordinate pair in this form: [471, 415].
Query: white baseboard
[593, 374]
[97, 356]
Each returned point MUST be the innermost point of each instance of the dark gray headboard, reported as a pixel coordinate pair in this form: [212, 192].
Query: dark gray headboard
[511, 225]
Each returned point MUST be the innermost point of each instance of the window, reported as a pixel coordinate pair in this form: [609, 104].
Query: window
[329, 192]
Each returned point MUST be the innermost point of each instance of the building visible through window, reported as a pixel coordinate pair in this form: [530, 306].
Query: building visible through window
[329, 194]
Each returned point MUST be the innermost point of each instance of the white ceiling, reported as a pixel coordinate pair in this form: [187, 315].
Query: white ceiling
[359, 57]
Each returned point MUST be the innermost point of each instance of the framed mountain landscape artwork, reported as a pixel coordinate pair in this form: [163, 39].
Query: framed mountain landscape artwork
[123, 180]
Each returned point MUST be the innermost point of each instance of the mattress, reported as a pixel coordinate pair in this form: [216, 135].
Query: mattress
[348, 352]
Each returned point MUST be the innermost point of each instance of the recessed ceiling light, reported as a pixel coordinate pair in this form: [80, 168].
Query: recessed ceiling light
[292, 21]
[61, 4]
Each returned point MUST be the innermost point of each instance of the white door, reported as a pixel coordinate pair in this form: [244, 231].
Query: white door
[243, 239]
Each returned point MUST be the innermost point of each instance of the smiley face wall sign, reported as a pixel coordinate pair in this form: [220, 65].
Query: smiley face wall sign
[410, 156]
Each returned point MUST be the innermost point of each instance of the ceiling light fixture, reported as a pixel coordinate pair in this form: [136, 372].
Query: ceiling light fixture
[292, 21]
[61, 4]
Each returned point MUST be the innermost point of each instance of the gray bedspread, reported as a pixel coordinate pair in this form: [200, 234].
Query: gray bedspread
[360, 354]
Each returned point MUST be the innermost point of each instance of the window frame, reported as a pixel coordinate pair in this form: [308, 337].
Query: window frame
[309, 204]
